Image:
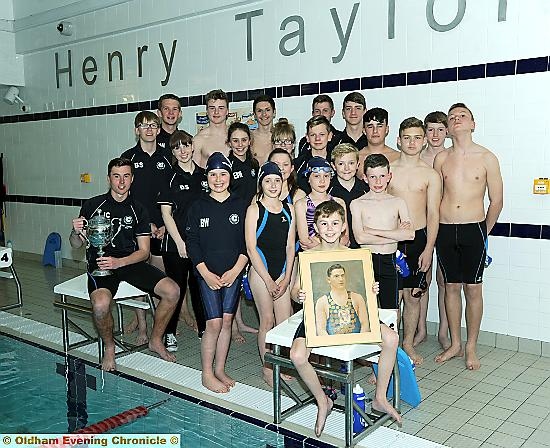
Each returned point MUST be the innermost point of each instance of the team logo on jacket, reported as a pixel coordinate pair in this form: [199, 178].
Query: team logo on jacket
[161, 165]
[128, 220]
[253, 172]
[234, 219]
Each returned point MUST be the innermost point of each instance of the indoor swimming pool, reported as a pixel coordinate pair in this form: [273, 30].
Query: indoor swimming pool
[43, 392]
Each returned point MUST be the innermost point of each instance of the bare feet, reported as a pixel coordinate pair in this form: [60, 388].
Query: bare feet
[108, 364]
[214, 384]
[267, 375]
[237, 337]
[444, 341]
[420, 337]
[188, 320]
[451, 352]
[383, 406]
[225, 379]
[142, 338]
[323, 412]
[416, 358]
[132, 326]
[243, 328]
[159, 348]
[472, 361]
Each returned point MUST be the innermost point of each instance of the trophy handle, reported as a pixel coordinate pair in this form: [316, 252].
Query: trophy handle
[118, 230]
[88, 244]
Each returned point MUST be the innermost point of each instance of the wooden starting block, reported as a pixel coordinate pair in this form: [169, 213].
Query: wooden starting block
[78, 288]
[283, 335]
[8, 271]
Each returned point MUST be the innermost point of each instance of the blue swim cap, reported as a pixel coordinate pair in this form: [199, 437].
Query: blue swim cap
[217, 161]
[268, 168]
[318, 165]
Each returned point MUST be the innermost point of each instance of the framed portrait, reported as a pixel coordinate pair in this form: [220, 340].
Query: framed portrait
[340, 306]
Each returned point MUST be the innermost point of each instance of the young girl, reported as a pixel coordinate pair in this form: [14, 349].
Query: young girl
[289, 190]
[243, 184]
[319, 173]
[244, 165]
[185, 186]
[283, 136]
[329, 221]
[270, 234]
[216, 246]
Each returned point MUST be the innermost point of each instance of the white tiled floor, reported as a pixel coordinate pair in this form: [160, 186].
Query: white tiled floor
[504, 404]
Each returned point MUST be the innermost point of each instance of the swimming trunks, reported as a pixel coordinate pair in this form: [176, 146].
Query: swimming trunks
[461, 252]
[218, 302]
[386, 274]
[271, 238]
[412, 250]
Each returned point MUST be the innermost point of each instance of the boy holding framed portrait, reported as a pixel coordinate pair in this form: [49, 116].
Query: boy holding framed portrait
[329, 224]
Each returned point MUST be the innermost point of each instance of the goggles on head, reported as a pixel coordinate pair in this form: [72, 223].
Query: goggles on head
[318, 170]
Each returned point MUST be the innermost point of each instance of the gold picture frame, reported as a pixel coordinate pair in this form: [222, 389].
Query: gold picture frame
[330, 278]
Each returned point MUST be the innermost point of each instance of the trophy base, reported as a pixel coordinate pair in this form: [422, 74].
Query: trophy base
[101, 273]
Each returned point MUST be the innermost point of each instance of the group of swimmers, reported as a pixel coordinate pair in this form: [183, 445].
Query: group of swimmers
[235, 199]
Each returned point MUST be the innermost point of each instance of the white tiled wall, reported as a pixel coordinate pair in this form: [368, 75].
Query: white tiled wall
[46, 157]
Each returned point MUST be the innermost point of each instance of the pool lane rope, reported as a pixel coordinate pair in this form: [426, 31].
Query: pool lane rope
[120, 419]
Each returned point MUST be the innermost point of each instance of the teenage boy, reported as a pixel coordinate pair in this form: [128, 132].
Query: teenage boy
[376, 127]
[380, 221]
[212, 138]
[321, 105]
[345, 185]
[435, 124]
[468, 171]
[126, 257]
[169, 111]
[318, 134]
[419, 185]
[264, 112]
[436, 133]
[353, 109]
[152, 171]
[329, 222]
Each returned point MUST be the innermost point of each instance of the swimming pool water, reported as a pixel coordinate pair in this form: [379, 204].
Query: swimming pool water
[40, 393]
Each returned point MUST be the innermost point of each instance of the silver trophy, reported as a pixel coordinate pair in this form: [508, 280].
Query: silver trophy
[99, 233]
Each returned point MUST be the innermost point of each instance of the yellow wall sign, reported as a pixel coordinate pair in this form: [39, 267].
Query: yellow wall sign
[541, 185]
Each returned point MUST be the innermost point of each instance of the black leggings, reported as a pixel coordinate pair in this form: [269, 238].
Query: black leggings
[181, 271]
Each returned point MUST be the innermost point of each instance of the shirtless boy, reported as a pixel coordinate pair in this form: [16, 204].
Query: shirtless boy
[419, 185]
[264, 111]
[213, 138]
[435, 124]
[468, 171]
[169, 112]
[380, 221]
[376, 127]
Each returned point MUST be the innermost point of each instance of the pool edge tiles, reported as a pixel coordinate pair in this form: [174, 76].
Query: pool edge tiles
[246, 403]
[132, 368]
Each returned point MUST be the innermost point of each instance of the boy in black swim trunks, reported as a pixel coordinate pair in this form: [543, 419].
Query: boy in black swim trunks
[380, 221]
[419, 186]
[125, 261]
[330, 218]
